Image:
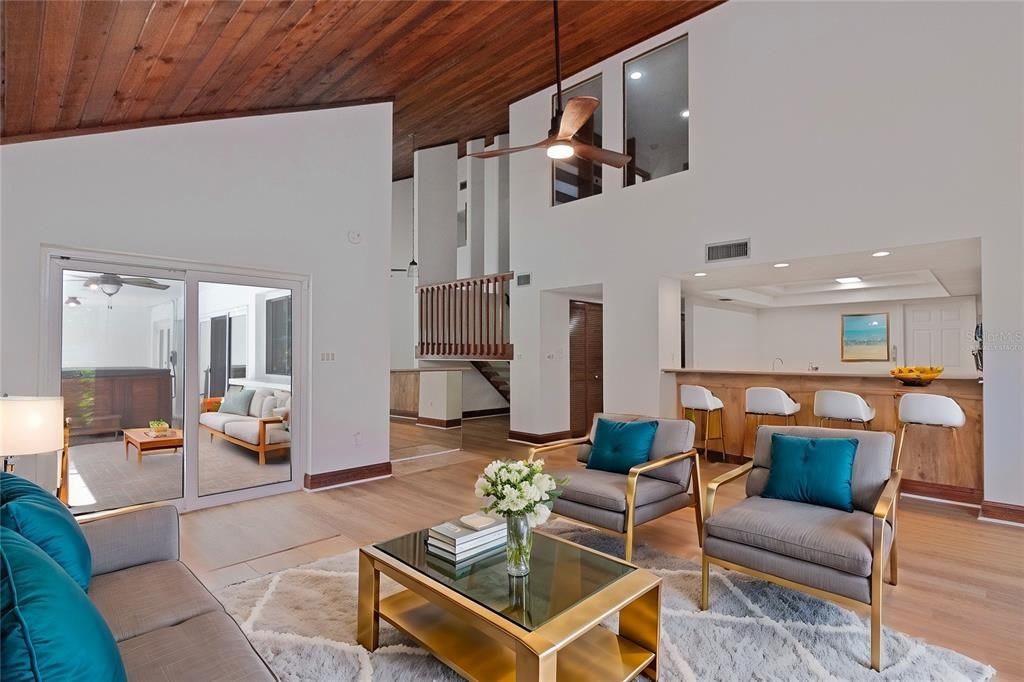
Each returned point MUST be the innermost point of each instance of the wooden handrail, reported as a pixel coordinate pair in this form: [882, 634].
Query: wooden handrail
[464, 318]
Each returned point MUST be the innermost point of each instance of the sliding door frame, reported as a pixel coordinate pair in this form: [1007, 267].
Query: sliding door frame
[56, 259]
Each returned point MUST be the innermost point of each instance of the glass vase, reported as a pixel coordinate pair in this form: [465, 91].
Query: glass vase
[518, 543]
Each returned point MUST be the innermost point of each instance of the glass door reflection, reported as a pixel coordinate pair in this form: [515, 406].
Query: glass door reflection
[245, 383]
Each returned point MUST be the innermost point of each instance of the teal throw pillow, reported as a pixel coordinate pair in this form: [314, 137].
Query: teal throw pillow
[620, 446]
[812, 470]
[237, 402]
[42, 519]
[49, 629]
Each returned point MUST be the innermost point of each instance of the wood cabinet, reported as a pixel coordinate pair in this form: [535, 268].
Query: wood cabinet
[932, 464]
[110, 399]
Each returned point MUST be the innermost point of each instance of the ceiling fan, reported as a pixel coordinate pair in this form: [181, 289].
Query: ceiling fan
[561, 142]
[111, 284]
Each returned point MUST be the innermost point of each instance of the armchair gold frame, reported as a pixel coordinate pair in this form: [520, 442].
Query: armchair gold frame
[884, 508]
[631, 482]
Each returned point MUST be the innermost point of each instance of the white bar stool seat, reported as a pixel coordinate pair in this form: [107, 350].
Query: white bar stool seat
[927, 409]
[700, 399]
[842, 406]
[768, 401]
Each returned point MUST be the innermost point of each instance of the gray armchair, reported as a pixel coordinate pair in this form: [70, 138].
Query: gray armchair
[669, 481]
[825, 552]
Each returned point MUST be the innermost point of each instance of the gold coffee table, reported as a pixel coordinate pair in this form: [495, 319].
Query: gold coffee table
[488, 626]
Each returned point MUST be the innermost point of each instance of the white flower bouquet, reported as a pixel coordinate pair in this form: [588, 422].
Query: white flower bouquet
[523, 494]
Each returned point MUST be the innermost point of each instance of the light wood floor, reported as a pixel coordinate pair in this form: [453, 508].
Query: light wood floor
[961, 580]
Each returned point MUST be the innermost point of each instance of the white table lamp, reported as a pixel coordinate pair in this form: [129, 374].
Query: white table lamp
[33, 426]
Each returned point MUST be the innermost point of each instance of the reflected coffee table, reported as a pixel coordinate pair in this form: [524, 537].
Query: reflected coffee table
[487, 625]
[146, 441]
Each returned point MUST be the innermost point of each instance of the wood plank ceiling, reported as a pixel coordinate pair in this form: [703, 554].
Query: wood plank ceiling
[452, 67]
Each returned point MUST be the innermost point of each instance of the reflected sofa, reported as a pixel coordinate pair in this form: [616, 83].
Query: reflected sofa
[262, 430]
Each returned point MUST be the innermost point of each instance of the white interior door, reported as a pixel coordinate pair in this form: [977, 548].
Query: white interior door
[939, 333]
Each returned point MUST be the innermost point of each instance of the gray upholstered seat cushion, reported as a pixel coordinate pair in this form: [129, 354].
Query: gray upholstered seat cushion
[811, 575]
[217, 420]
[209, 647]
[249, 431]
[144, 598]
[872, 464]
[672, 437]
[819, 535]
[613, 520]
[607, 490]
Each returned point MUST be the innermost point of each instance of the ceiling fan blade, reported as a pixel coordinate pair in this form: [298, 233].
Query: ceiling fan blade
[578, 111]
[599, 155]
[509, 150]
[144, 282]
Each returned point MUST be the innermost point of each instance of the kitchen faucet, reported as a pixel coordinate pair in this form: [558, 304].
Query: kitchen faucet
[778, 360]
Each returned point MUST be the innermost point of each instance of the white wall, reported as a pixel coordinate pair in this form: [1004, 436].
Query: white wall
[276, 193]
[813, 131]
[401, 222]
[435, 176]
[98, 337]
[723, 338]
[400, 287]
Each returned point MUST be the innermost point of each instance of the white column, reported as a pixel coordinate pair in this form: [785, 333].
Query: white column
[632, 345]
[435, 178]
[475, 210]
[496, 209]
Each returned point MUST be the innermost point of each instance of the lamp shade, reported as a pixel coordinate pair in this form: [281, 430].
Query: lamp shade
[31, 425]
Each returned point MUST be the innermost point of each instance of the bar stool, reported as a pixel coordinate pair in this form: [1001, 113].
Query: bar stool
[927, 409]
[765, 401]
[842, 406]
[700, 399]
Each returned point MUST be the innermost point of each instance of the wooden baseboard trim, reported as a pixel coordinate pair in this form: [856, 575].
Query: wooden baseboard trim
[538, 438]
[1001, 511]
[409, 414]
[327, 479]
[491, 412]
[941, 491]
[439, 423]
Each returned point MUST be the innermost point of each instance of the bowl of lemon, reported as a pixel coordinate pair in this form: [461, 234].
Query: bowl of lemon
[916, 376]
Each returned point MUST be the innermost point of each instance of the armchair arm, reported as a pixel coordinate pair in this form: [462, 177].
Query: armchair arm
[709, 499]
[271, 420]
[634, 472]
[558, 445]
[889, 493]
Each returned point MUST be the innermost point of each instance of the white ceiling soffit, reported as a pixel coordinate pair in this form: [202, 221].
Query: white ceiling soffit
[898, 285]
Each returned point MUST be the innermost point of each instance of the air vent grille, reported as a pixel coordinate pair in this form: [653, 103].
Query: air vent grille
[523, 279]
[727, 251]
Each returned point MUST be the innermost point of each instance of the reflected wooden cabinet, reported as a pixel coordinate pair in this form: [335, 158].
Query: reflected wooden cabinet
[110, 399]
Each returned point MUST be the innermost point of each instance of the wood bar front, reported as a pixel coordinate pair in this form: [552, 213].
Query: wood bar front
[931, 464]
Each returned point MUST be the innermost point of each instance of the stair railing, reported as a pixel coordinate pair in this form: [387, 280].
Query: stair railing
[466, 318]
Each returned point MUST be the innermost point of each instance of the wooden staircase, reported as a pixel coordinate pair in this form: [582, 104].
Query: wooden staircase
[497, 375]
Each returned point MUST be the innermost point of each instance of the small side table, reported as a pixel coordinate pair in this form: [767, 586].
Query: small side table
[144, 442]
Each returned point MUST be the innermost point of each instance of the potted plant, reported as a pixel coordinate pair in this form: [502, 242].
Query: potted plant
[523, 494]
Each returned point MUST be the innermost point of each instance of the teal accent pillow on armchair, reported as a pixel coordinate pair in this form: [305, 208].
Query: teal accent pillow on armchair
[812, 470]
[620, 446]
[42, 519]
[49, 629]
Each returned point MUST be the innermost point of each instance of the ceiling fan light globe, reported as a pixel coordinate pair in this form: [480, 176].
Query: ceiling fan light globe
[110, 288]
[560, 150]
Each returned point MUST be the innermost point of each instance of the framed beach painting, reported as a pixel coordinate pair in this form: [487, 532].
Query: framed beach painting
[865, 338]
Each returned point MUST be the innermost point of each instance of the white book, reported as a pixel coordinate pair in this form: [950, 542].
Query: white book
[489, 539]
[456, 533]
[463, 555]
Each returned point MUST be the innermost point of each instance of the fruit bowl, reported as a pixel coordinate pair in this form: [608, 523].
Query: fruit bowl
[916, 376]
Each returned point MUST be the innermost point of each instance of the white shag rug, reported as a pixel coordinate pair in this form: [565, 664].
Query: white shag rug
[303, 622]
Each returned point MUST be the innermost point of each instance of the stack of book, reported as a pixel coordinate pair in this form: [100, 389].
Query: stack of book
[464, 541]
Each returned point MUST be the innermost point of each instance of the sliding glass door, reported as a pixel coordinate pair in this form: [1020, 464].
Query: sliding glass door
[179, 385]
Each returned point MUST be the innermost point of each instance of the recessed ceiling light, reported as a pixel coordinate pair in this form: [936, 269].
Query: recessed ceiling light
[685, 113]
[781, 265]
[881, 254]
[848, 280]
[700, 274]
[636, 75]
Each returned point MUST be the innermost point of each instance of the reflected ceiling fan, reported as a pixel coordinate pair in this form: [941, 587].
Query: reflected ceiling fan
[111, 284]
[561, 142]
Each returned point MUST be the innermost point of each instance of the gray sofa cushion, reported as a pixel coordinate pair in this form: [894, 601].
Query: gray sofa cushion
[872, 464]
[612, 520]
[144, 598]
[812, 575]
[209, 647]
[250, 432]
[217, 420]
[672, 437]
[607, 490]
[819, 535]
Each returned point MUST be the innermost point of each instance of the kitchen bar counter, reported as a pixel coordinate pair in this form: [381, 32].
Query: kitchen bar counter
[931, 465]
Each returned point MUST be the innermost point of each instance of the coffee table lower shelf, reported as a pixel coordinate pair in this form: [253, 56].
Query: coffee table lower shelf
[598, 655]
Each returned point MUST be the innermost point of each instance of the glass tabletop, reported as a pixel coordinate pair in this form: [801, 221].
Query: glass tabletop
[561, 575]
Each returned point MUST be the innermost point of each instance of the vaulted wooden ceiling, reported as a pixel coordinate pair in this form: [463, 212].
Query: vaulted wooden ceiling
[452, 67]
